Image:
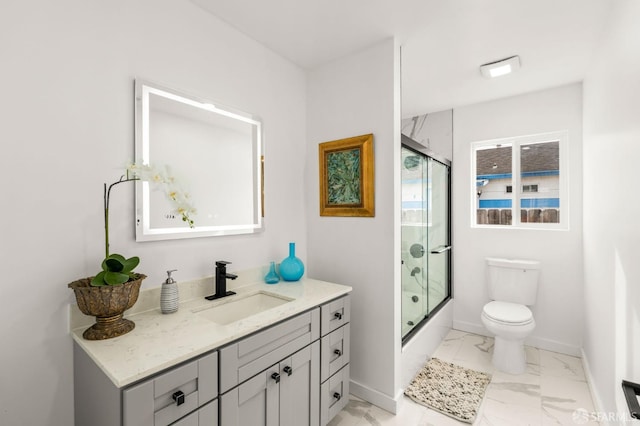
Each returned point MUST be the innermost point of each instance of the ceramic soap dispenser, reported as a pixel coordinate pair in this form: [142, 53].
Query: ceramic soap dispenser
[169, 297]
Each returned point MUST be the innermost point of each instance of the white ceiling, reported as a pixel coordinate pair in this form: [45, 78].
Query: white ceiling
[443, 41]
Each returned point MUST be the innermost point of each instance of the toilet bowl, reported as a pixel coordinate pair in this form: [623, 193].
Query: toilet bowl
[511, 324]
[512, 286]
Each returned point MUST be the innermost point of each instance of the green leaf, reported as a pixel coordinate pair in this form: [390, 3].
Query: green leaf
[117, 256]
[108, 261]
[114, 265]
[98, 280]
[115, 278]
[116, 270]
[130, 264]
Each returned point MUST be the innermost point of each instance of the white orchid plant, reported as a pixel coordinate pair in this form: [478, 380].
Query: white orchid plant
[116, 269]
[162, 179]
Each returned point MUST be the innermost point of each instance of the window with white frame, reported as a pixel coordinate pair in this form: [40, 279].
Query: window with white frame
[520, 182]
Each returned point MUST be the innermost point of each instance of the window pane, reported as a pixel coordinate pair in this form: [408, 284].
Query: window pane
[540, 175]
[493, 175]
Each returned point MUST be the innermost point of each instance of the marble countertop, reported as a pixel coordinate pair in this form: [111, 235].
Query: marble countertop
[160, 341]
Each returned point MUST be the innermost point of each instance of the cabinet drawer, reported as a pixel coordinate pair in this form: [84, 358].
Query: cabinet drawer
[334, 352]
[205, 416]
[334, 395]
[247, 357]
[335, 314]
[152, 403]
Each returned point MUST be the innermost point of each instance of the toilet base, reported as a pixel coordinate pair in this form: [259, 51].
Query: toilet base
[509, 355]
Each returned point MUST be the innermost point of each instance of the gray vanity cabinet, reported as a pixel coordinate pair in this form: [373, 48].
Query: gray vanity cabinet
[293, 373]
[285, 394]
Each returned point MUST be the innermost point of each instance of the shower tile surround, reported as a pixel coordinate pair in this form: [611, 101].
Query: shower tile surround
[548, 393]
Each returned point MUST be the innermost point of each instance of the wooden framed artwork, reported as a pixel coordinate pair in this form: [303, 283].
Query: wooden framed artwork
[347, 177]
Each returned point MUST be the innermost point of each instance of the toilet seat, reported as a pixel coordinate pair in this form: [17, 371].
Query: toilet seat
[508, 313]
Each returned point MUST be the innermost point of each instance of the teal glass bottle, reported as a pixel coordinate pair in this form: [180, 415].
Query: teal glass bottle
[272, 277]
[291, 268]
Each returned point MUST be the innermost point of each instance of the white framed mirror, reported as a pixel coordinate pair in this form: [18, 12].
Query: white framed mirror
[215, 154]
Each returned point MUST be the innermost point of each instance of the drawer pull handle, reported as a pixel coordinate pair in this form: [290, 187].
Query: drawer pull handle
[338, 315]
[337, 396]
[337, 352]
[276, 377]
[288, 370]
[178, 397]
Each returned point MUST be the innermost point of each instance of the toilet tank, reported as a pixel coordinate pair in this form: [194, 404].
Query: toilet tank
[514, 281]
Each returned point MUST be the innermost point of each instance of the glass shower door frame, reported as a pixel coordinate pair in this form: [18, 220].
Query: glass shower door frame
[443, 249]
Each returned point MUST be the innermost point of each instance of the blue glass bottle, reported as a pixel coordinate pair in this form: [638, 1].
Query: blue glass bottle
[291, 268]
[272, 277]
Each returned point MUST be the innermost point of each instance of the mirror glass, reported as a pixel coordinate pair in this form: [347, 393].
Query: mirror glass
[213, 152]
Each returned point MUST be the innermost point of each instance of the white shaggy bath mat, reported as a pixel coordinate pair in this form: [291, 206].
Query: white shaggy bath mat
[450, 389]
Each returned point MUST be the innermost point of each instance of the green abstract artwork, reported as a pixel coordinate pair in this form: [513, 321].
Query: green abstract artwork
[344, 177]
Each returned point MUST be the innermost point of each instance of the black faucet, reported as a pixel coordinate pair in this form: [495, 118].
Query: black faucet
[221, 281]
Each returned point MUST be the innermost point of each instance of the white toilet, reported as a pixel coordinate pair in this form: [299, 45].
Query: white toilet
[513, 285]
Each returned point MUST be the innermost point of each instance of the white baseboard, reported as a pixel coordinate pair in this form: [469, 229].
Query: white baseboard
[595, 395]
[470, 327]
[554, 346]
[536, 342]
[375, 397]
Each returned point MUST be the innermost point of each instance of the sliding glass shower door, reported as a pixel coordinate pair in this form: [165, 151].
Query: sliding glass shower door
[426, 236]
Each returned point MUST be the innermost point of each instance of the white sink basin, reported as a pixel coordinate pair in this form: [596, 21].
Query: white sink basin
[241, 307]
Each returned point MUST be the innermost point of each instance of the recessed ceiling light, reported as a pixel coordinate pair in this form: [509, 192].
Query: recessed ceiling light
[501, 67]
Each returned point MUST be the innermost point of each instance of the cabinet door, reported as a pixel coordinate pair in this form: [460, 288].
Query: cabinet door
[255, 402]
[299, 388]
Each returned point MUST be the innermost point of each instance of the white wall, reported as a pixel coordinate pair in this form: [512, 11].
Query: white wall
[351, 97]
[558, 311]
[612, 209]
[68, 106]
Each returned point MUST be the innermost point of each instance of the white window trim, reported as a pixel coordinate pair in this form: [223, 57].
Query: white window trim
[516, 142]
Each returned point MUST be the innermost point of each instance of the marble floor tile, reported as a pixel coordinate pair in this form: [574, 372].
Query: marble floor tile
[475, 352]
[552, 391]
[450, 346]
[352, 414]
[562, 397]
[561, 365]
[501, 413]
[533, 360]
[521, 390]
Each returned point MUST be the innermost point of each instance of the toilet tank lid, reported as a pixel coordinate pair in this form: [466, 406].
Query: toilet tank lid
[513, 263]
